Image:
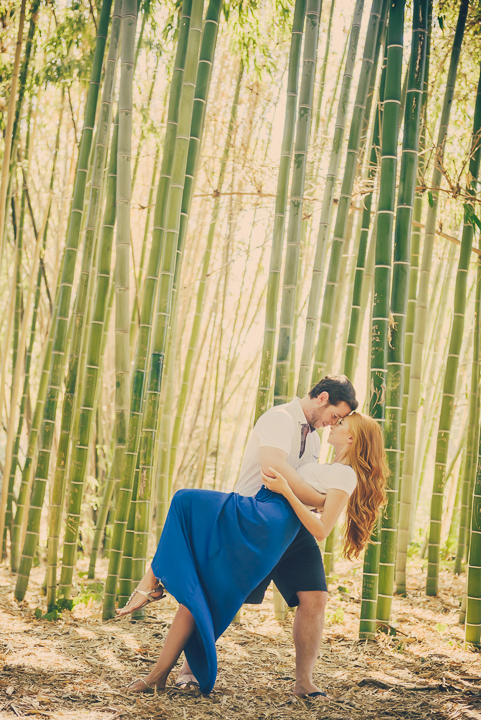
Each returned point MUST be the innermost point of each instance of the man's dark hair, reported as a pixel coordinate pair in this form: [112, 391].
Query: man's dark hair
[339, 389]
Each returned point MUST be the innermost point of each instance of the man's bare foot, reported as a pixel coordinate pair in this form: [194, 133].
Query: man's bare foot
[141, 597]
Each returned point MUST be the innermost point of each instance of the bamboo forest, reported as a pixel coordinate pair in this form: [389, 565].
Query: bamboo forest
[205, 208]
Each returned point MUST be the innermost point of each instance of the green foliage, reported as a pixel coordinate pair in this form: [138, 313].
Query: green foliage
[69, 50]
[471, 217]
[87, 592]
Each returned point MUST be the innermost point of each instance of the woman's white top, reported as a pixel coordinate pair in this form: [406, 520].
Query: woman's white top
[329, 477]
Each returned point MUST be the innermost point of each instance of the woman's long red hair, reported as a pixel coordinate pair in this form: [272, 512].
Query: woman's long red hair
[368, 459]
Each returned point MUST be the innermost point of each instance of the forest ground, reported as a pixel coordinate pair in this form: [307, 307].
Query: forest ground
[78, 666]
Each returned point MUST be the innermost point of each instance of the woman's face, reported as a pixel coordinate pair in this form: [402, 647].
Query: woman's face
[340, 435]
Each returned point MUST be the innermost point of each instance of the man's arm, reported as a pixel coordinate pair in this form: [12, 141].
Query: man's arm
[277, 459]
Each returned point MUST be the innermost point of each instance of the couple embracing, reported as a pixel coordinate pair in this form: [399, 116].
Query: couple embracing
[220, 550]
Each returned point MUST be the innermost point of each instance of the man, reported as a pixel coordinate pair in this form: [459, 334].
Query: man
[283, 438]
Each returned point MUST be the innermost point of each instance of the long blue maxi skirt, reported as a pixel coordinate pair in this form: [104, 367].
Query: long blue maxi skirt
[214, 550]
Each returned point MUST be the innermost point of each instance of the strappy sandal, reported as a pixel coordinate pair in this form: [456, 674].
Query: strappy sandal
[148, 599]
[187, 685]
[148, 687]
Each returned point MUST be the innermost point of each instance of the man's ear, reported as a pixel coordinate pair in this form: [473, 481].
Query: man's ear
[323, 399]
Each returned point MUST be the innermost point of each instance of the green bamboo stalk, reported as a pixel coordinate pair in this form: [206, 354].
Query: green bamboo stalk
[131, 431]
[457, 329]
[93, 333]
[382, 284]
[199, 308]
[399, 299]
[416, 235]
[183, 179]
[421, 306]
[454, 523]
[73, 387]
[473, 582]
[28, 466]
[434, 367]
[16, 333]
[469, 475]
[273, 282]
[65, 291]
[123, 241]
[322, 79]
[342, 216]
[327, 204]
[385, 214]
[103, 281]
[8, 135]
[28, 357]
[203, 79]
[291, 269]
[144, 114]
[19, 368]
[370, 584]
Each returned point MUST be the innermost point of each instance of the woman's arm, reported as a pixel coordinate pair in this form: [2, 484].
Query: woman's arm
[336, 501]
[275, 459]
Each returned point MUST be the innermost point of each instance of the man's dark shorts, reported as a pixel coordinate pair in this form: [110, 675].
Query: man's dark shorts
[299, 569]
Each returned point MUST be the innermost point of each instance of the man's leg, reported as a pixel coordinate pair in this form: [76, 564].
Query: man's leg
[307, 633]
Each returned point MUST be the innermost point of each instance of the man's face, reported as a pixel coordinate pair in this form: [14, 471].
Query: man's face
[325, 414]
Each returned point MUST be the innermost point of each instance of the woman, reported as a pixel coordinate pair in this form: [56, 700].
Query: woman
[217, 547]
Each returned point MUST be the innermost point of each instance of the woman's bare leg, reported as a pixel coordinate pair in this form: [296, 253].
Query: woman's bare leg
[180, 631]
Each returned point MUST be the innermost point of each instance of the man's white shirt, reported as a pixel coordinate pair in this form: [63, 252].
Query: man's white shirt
[280, 427]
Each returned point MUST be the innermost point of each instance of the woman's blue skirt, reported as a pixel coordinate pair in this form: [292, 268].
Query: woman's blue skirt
[214, 550]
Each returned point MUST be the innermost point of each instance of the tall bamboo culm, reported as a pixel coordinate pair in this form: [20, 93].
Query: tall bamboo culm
[273, 282]
[406, 486]
[80, 453]
[333, 276]
[407, 482]
[382, 284]
[452, 365]
[63, 311]
[198, 72]
[327, 204]
[194, 335]
[162, 209]
[399, 298]
[473, 581]
[291, 267]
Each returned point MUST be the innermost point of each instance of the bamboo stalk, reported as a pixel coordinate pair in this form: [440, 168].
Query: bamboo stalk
[273, 282]
[421, 303]
[399, 301]
[327, 204]
[61, 324]
[291, 268]
[93, 334]
[8, 136]
[342, 216]
[131, 431]
[449, 387]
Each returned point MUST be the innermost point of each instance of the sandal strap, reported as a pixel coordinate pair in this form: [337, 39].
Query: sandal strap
[148, 594]
[147, 685]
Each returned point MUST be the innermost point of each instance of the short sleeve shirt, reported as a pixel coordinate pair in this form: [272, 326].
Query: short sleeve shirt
[280, 427]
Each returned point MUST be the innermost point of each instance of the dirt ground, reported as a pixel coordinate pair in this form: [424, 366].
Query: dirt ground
[78, 666]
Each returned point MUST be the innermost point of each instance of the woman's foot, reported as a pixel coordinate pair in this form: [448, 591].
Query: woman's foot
[186, 681]
[142, 595]
[142, 686]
